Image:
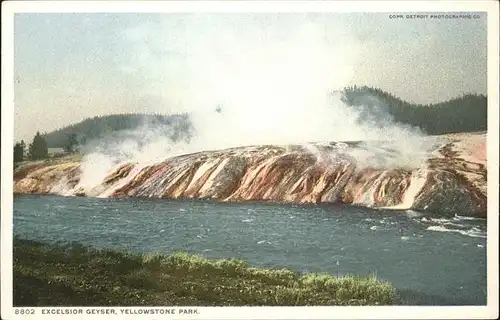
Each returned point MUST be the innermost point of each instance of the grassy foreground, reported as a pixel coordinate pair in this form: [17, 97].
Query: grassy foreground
[74, 275]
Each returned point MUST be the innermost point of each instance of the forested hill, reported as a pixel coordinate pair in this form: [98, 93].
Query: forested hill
[463, 114]
[96, 127]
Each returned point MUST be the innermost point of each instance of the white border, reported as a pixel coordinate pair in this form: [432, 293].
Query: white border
[482, 312]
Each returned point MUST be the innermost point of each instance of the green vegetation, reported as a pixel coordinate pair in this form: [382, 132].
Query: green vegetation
[38, 150]
[99, 126]
[19, 151]
[463, 114]
[71, 144]
[71, 275]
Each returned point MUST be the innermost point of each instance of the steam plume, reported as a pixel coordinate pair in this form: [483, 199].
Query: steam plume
[254, 83]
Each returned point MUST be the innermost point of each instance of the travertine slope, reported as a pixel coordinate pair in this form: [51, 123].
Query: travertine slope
[452, 180]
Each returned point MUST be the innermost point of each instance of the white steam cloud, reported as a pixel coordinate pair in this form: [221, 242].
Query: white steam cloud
[248, 82]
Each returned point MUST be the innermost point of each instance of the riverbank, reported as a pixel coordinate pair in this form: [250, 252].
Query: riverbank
[452, 178]
[74, 275]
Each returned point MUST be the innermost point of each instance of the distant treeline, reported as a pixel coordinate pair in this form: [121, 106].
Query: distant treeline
[463, 114]
[467, 113]
[100, 126]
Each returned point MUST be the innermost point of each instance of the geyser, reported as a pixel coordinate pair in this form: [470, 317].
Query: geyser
[253, 84]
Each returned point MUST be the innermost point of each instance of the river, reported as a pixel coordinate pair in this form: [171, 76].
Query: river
[430, 259]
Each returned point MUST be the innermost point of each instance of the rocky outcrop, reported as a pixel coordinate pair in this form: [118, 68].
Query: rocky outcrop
[453, 179]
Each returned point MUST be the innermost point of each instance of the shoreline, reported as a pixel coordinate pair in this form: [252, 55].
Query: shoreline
[453, 178]
[259, 202]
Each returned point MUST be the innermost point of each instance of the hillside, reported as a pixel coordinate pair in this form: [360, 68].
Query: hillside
[462, 114]
[91, 128]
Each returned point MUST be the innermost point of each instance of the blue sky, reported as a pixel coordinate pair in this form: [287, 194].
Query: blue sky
[72, 66]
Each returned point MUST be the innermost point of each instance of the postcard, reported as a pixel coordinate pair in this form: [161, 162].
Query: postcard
[249, 159]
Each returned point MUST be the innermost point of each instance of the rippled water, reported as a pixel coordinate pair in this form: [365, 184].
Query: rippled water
[431, 260]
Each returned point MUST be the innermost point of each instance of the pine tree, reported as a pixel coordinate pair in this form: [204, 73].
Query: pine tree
[38, 148]
[71, 144]
[19, 151]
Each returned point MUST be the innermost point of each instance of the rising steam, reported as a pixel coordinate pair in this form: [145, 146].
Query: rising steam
[244, 82]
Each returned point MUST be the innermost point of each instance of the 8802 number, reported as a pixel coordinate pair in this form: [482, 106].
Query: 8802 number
[24, 311]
